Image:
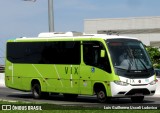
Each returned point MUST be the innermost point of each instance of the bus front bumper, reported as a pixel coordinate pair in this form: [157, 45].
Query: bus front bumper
[130, 90]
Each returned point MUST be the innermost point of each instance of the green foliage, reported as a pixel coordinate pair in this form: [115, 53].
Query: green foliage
[154, 55]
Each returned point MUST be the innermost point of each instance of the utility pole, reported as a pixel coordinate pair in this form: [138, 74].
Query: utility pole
[50, 14]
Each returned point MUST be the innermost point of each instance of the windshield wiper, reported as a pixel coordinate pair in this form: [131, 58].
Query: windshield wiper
[119, 67]
[146, 69]
[129, 65]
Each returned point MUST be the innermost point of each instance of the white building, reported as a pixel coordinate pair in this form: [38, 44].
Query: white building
[147, 29]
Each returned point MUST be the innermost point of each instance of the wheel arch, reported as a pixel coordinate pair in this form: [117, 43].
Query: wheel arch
[34, 81]
[99, 85]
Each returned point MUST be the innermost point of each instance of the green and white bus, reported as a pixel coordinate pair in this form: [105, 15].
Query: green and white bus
[103, 65]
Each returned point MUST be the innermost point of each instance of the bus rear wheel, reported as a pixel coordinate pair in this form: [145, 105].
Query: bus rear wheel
[137, 99]
[36, 91]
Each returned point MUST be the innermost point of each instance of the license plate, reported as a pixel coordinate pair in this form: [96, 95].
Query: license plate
[138, 94]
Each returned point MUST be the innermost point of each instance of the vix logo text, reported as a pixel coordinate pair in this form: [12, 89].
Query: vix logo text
[71, 70]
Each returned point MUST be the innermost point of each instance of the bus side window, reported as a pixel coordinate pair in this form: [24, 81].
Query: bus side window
[92, 55]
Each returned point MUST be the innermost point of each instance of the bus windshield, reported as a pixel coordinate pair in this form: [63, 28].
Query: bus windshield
[129, 54]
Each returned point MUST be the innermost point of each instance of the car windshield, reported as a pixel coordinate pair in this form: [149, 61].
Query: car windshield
[128, 54]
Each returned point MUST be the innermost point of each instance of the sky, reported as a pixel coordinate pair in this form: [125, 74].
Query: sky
[20, 18]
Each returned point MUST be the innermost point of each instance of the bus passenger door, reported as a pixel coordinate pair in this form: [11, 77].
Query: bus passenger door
[86, 68]
[94, 66]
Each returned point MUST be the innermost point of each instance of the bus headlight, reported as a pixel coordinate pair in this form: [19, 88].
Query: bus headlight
[153, 82]
[121, 83]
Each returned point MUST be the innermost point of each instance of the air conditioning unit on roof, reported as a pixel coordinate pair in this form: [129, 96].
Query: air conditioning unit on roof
[59, 34]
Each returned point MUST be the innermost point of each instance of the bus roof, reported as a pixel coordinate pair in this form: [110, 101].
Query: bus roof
[72, 36]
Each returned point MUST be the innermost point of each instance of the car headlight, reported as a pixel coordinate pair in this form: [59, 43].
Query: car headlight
[153, 82]
[121, 83]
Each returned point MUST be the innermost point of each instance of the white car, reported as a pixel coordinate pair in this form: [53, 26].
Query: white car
[157, 71]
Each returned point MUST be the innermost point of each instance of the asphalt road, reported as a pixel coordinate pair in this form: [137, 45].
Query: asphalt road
[14, 95]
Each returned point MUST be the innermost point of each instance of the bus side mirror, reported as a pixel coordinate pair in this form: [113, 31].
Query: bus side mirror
[102, 53]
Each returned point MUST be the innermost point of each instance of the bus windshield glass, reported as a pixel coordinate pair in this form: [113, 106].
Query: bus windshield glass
[129, 54]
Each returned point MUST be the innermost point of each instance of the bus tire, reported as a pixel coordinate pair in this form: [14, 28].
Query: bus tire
[101, 95]
[36, 91]
[137, 99]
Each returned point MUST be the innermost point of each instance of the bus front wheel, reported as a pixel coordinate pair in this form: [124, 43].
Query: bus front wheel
[102, 96]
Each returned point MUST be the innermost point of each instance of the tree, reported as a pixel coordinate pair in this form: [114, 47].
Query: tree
[154, 55]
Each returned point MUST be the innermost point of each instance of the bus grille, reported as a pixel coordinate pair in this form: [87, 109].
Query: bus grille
[138, 91]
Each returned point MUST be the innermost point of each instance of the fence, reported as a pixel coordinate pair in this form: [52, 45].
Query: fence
[2, 68]
[2, 63]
